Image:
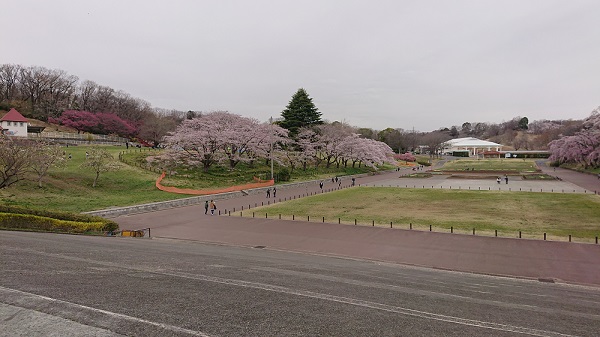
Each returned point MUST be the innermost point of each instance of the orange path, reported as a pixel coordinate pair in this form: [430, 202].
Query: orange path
[259, 183]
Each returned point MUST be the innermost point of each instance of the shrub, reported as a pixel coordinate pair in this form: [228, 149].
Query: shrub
[423, 162]
[17, 217]
[283, 175]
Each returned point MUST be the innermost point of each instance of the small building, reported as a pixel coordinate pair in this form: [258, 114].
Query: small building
[14, 124]
[473, 145]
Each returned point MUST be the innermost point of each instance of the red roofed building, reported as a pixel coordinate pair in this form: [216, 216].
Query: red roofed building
[14, 124]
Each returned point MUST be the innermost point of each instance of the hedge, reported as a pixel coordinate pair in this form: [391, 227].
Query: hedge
[21, 218]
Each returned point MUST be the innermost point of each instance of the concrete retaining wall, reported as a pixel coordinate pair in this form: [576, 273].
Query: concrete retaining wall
[197, 200]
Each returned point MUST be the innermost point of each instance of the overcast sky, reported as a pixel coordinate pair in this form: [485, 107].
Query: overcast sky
[377, 64]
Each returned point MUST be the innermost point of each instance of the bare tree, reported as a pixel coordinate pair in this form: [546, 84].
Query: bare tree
[44, 157]
[16, 158]
[10, 75]
[100, 160]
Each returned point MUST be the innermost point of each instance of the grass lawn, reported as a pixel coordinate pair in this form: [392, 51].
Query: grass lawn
[514, 165]
[508, 212]
[70, 188]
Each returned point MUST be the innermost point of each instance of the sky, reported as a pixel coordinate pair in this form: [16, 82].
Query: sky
[419, 64]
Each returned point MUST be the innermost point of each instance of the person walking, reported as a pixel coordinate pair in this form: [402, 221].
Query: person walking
[206, 207]
[213, 207]
[321, 185]
[353, 181]
[498, 180]
[268, 192]
[274, 192]
[506, 178]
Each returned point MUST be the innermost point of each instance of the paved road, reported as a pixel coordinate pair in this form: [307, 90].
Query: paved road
[560, 261]
[66, 285]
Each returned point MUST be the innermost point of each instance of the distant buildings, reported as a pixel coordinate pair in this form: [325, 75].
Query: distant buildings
[471, 145]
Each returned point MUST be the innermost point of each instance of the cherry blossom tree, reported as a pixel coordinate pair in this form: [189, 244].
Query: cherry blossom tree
[583, 148]
[405, 157]
[221, 136]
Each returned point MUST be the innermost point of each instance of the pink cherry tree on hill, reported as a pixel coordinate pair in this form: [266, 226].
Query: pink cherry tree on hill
[583, 148]
[222, 136]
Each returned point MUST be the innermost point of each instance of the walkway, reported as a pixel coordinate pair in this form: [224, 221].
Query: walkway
[545, 260]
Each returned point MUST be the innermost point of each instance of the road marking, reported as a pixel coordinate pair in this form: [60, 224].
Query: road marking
[105, 312]
[304, 293]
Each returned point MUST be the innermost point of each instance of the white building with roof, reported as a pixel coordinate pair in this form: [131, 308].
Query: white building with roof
[473, 145]
[14, 124]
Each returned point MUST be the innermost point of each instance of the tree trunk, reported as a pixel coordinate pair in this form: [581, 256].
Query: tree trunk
[96, 179]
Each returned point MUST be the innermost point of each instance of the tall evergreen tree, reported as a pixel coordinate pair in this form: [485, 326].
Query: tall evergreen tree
[300, 112]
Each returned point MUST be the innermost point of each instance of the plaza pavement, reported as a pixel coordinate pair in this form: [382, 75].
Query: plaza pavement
[537, 259]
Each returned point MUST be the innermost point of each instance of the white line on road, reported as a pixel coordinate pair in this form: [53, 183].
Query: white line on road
[304, 293]
[105, 312]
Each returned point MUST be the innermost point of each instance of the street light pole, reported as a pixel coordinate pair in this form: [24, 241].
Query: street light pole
[271, 152]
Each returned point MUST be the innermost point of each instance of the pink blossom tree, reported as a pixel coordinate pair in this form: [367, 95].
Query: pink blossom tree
[221, 136]
[583, 148]
[405, 157]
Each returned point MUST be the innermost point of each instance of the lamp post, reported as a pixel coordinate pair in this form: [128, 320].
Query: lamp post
[271, 151]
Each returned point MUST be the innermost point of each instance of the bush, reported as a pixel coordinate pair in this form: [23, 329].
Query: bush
[423, 162]
[283, 175]
[22, 218]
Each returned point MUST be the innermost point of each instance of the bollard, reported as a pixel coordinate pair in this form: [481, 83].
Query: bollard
[373, 223]
[473, 231]
[569, 237]
[279, 216]
[430, 228]
[241, 213]
[451, 229]
[308, 218]
[596, 240]
[496, 233]
[391, 225]
[354, 222]
[323, 219]
[219, 212]
[262, 203]
[242, 208]
[266, 215]
[544, 236]
[339, 221]
[293, 217]
[410, 226]
[519, 234]
[253, 214]
[225, 210]
[255, 205]
[230, 213]
[268, 202]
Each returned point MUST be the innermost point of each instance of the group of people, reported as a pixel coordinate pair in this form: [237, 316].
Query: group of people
[210, 205]
[499, 179]
[274, 192]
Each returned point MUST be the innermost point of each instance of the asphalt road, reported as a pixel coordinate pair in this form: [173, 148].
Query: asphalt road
[65, 285]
